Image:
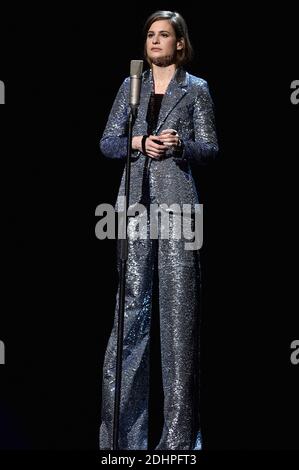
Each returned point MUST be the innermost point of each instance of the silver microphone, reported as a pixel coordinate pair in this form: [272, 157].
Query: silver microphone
[135, 82]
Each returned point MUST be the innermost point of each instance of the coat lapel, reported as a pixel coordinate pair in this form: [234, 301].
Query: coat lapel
[176, 90]
[147, 86]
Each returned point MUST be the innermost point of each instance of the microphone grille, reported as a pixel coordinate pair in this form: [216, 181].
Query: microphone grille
[136, 68]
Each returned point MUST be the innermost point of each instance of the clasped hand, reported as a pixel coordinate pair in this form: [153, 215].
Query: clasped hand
[157, 145]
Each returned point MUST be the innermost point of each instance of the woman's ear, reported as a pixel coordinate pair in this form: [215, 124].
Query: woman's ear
[180, 44]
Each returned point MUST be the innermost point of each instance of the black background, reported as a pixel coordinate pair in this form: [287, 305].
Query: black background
[61, 73]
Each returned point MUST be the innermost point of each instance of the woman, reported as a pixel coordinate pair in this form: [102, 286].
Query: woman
[174, 126]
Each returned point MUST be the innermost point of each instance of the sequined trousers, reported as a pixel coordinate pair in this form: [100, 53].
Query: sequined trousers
[179, 312]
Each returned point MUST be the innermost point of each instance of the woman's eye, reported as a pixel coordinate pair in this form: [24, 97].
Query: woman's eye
[164, 35]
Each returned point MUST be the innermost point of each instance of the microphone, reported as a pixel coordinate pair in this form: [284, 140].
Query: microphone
[135, 83]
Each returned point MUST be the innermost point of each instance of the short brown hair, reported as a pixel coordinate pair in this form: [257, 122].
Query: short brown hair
[181, 31]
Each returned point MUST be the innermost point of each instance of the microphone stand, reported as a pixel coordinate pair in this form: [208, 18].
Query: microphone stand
[122, 281]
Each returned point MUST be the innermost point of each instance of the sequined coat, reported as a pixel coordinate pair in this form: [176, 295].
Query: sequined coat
[186, 107]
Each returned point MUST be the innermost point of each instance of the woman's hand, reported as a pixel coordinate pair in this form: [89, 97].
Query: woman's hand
[154, 147]
[170, 138]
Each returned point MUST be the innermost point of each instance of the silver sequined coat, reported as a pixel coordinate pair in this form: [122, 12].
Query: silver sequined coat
[186, 107]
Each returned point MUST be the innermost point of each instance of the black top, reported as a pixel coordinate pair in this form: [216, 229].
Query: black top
[153, 110]
[152, 116]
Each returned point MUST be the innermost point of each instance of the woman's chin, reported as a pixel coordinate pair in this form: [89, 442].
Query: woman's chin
[162, 61]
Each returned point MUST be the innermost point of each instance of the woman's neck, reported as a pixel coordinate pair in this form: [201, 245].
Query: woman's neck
[162, 77]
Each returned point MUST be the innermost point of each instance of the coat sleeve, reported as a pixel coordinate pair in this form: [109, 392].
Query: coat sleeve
[204, 147]
[113, 143]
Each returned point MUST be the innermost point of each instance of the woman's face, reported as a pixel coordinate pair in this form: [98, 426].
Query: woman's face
[161, 43]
